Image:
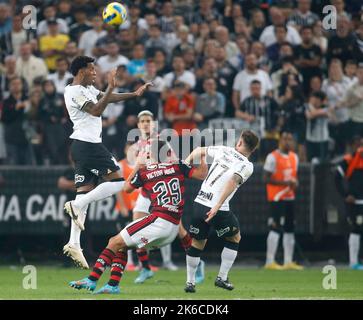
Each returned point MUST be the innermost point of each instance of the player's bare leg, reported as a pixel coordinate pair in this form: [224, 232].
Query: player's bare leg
[73, 248]
[228, 256]
[193, 260]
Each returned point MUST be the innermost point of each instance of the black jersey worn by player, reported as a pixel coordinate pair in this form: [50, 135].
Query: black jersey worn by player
[350, 170]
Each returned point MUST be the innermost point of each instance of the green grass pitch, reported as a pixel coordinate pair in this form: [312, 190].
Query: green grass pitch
[250, 283]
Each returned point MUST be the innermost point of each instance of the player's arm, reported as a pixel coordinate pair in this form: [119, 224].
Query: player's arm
[117, 97]
[196, 154]
[200, 172]
[96, 109]
[134, 181]
[229, 187]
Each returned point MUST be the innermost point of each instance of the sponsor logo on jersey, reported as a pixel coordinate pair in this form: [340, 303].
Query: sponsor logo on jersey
[95, 172]
[78, 178]
[193, 230]
[205, 195]
[221, 232]
[171, 207]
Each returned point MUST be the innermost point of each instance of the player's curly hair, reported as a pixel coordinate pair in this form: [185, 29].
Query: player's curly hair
[79, 63]
[250, 140]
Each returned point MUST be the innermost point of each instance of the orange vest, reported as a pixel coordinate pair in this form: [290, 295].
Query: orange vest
[286, 169]
[129, 198]
[354, 163]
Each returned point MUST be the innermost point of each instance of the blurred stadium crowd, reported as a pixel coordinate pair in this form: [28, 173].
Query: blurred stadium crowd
[271, 64]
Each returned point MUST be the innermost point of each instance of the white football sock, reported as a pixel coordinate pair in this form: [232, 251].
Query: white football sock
[192, 264]
[130, 258]
[354, 244]
[272, 244]
[102, 191]
[75, 236]
[166, 253]
[288, 244]
[228, 256]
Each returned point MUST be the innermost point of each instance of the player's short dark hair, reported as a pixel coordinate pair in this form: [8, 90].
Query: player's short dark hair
[250, 139]
[157, 148]
[79, 63]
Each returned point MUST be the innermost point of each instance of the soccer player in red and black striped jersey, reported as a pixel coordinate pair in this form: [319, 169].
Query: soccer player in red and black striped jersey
[164, 183]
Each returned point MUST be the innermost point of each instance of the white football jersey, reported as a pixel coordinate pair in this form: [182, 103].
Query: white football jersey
[227, 161]
[86, 127]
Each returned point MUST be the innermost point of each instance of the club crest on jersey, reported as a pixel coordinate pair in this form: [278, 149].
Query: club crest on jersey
[221, 232]
[78, 178]
[95, 172]
[193, 230]
[144, 240]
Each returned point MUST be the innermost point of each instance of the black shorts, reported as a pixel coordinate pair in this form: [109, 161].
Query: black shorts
[224, 223]
[282, 216]
[355, 217]
[92, 160]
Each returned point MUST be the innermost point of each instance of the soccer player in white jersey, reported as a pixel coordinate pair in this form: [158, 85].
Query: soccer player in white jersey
[229, 170]
[85, 105]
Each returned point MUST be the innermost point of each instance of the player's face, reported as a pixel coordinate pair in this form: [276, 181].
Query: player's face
[90, 74]
[145, 124]
[287, 142]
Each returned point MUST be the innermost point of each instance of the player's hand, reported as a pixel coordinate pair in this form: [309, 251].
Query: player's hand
[211, 213]
[124, 212]
[350, 199]
[111, 78]
[139, 92]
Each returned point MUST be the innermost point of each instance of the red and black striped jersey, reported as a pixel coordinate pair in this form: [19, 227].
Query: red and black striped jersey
[164, 185]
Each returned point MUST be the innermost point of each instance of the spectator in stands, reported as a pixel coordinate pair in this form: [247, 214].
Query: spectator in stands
[258, 24]
[268, 36]
[317, 131]
[205, 12]
[209, 105]
[14, 118]
[179, 108]
[341, 45]
[61, 77]
[53, 44]
[242, 81]
[151, 76]
[183, 41]
[113, 59]
[238, 61]
[5, 19]
[160, 60]
[303, 16]
[52, 116]
[319, 39]
[350, 71]
[315, 84]
[136, 66]
[259, 50]
[89, 38]
[261, 113]
[273, 50]
[222, 36]
[335, 87]
[10, 42]
[179, 74]
[9, 73]
[292, 113]
[353, 100]
[308, 57]
[155, 40]
[71, 51]
[65, 11]
[29, 66]
[81, 25]
[49, 14]
[358, 47]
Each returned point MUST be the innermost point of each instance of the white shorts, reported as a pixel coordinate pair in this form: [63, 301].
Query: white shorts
[142, 204]
[149, 232]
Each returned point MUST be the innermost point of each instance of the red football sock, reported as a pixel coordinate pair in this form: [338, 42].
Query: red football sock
[143, 258]
[117, 268]
[102, 262]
